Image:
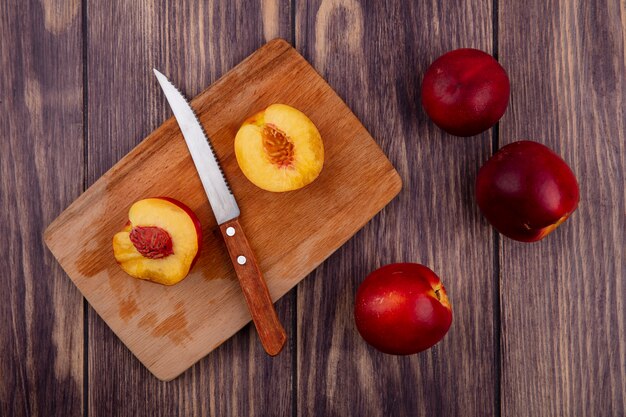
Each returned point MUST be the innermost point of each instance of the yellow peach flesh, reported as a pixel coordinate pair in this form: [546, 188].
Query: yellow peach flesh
[171, 218]
[279, 149]
[549, 229]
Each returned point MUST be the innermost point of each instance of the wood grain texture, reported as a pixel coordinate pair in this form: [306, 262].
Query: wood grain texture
[253, 286]
[41, 336]
[193, 42]
[563, 311]
[374, 54]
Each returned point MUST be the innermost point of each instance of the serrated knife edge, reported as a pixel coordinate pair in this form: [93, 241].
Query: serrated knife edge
[202, 153]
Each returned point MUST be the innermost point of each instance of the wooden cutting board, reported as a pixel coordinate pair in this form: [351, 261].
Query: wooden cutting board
[170, 328]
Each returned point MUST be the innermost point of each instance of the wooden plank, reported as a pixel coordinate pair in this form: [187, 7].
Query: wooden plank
[41, 172]
[563, 313]
[374, 54]
[194, 43]
[169, 328]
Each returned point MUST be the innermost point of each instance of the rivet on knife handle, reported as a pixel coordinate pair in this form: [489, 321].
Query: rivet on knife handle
[269, 328]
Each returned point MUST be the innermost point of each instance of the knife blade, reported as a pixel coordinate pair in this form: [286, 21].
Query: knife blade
[224, 206]
[213, 180]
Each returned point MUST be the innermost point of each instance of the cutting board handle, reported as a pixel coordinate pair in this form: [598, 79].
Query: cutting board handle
[268, 326]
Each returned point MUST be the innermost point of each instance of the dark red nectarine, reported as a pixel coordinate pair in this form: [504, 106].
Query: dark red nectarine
[525, 191]
[465, 91]
[402, 309]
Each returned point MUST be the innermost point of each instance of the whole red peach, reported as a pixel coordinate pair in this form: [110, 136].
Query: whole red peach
[402, 309]
[465, 91]
[525, 191]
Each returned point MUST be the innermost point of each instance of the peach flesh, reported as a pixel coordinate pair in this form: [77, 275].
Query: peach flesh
[279, 149]
[161, 240]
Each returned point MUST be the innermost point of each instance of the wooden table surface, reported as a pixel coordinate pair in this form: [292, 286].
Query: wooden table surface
[539, 329]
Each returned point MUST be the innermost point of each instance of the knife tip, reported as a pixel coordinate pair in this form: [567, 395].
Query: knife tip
[158, 73]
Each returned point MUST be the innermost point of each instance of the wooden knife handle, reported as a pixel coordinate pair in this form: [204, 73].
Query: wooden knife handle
[268, 326]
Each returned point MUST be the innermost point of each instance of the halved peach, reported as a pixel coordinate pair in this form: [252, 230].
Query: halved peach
[160, 242]
[279, 149]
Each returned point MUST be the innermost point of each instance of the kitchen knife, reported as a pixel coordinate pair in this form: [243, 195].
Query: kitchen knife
[226, 210]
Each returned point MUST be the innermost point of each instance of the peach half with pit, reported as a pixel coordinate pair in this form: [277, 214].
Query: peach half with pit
[279, 149]
[160, 242]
